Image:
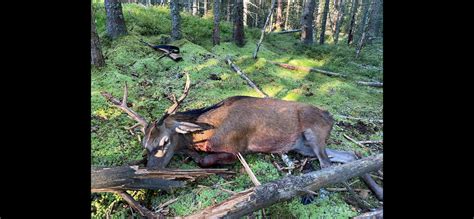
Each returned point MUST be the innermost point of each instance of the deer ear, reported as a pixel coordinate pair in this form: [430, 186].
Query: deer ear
[187, 127]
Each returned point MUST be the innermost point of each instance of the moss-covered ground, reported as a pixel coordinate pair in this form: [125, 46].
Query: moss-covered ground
[149, 78]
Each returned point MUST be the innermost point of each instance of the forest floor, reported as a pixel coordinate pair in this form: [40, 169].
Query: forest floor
[150, 78]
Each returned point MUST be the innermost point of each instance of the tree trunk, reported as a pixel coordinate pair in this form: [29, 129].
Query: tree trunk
[340, 19]
[279, 15]
[378, 31]
[365, 27]
[287, 14]
[239, 35]
[96, 52]
[229, 12]
[195, 7]
[363, 20]
[270, 12]
[245, 13]
[115, 20]
[216, 39]
[175, 20]
[375, 20]
[287, 188]
[307, 22]
[350, 32]
[205, 7]
[323, 22]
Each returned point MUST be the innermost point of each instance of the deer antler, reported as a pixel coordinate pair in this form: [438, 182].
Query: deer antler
[123, 106]
[176, 103]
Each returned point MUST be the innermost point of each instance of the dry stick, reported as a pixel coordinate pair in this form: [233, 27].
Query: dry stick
[287, 188]
[248, 170]
[372, 215]
[363, 119]
[356, 142]
[308, 69]
[288, 31]
[245, 77]
[160, 207]
[270, 12]
[134, 204]
[371, 84]
[371, 142]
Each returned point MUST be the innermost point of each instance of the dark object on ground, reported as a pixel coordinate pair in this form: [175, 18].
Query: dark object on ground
[170, 51]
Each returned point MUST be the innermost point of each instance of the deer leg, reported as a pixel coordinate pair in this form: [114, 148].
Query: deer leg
[193, 154]
[217, 158]
[318, 146]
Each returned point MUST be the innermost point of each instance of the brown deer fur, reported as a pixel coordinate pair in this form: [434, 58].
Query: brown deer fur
[246, 125]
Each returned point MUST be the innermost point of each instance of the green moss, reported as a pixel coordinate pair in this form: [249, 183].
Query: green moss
[150, 78]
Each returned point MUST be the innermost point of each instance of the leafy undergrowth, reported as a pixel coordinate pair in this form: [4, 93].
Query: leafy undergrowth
[150, 78]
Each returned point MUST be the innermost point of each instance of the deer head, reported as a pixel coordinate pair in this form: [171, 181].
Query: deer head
[161, 137]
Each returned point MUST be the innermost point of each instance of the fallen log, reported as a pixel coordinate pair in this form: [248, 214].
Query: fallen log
[308, 69]
[132, 178]
[372, 84]
[288, 31]
[245, 77]
[378, 214]
[284, 189]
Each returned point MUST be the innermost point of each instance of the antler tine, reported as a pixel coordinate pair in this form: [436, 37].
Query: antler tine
[175, 106]
[123, 106]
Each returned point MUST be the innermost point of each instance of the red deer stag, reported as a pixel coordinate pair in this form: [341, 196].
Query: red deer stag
[237, 124]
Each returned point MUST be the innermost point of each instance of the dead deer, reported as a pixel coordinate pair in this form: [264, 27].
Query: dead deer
[237, 124]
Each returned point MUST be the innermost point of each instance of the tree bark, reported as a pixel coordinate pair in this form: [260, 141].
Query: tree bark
[278, 15]
[307, 22]
[195, 7]
[205, 7]
[115, 21]
[97, 58]
[363, 20]
[340, 19]
[239, 35]
[245, 13]
[263, 29]
[133, 178]
[323, 22]
[216, 39]
[288, 187]
[375, 20]
[350, 32]
[229, 12]
[368, 11]
[287, 14]
[175, 20]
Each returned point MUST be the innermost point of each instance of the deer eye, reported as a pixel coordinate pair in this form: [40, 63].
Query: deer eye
[164, 141]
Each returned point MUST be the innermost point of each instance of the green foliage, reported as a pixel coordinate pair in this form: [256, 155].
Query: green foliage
[150, 79]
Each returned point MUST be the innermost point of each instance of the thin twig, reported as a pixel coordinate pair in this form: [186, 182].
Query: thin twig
[248, 170]
[356, 142]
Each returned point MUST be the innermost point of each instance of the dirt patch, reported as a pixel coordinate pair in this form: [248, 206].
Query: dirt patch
[359, 128]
